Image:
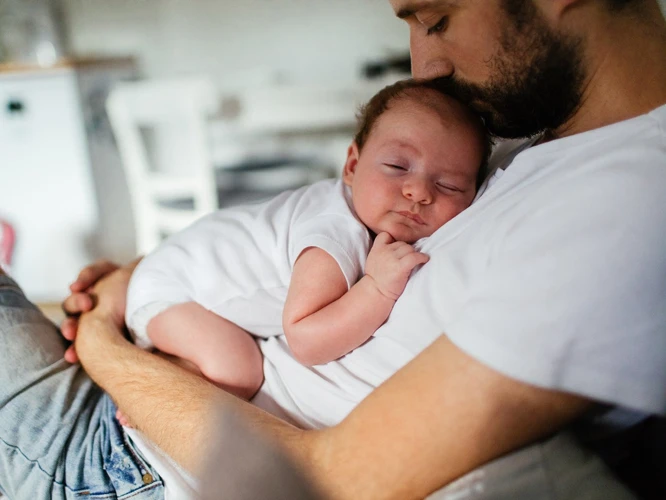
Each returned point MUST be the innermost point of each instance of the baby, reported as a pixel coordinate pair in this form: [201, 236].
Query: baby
[301, 264]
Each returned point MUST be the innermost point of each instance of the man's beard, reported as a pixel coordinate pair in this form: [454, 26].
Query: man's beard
[536, 83]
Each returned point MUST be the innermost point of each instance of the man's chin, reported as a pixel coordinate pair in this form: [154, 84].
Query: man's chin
[514, 125]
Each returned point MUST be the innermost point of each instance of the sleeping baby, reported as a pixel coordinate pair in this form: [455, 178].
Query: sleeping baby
[323, 264]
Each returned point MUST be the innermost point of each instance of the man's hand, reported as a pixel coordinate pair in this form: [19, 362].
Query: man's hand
[102, 286]
[390, 263]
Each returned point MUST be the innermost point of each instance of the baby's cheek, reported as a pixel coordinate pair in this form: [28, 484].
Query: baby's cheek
[447, 213]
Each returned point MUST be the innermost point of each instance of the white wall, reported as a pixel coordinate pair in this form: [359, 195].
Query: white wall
[243, 40]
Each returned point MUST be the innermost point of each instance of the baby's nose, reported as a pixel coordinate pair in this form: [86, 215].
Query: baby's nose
[417, 191]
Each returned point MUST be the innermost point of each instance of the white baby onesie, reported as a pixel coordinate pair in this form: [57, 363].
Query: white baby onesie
[237, 262]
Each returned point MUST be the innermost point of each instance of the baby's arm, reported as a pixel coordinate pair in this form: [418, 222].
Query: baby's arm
[322, 320]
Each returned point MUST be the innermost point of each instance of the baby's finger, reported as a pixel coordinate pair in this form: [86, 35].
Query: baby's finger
[383, 239]
[399, 251]
[68, 328]
[414, 259]
[397, 244]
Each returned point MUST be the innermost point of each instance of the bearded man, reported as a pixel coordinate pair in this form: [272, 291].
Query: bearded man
[542, 306]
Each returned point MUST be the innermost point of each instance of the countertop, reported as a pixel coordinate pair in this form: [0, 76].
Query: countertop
[69, 62]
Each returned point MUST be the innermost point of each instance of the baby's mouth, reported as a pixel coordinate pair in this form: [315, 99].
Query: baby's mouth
[415, 217]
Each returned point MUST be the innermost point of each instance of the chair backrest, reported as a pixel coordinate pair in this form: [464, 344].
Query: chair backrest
[178, 168]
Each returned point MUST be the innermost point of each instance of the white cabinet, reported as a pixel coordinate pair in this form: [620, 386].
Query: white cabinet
[46, 185]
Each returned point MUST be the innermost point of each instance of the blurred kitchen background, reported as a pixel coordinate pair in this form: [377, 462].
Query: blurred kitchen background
[213, 102]
[122, 121]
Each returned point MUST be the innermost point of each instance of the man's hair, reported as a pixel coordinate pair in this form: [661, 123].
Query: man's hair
[369, 113]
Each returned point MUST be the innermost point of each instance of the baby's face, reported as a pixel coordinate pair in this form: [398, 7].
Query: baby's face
[418, 170]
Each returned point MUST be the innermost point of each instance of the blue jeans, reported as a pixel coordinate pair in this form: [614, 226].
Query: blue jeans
[58, 434]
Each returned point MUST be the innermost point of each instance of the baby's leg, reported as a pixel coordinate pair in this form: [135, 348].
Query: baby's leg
[225, 353]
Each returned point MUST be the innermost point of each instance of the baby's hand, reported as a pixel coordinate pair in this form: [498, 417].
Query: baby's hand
[390, 263]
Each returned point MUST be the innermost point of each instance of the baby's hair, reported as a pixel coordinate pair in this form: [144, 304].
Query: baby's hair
[370, 112]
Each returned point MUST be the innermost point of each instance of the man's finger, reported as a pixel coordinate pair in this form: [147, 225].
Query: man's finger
[70, 355]
[77, 303]
[87, 277]
[68, 328]
[91, 274]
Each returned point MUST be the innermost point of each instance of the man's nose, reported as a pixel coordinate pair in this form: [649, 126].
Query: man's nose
[417, 191]
[429, 57]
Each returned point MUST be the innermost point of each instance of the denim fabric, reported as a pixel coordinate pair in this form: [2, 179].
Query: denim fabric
[58, 435]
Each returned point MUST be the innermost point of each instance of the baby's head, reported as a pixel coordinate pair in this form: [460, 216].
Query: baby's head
[416, 161]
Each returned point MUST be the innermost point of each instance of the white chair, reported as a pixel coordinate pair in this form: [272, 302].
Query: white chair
[173, 183]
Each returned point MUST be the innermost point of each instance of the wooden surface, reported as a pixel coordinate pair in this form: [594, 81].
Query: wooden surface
[52, 311]
[68, 62]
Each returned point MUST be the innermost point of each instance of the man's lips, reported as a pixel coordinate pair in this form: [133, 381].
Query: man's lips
[412, 216]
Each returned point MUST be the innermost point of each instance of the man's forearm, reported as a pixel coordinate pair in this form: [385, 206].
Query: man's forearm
[439, 417]
[171, 406]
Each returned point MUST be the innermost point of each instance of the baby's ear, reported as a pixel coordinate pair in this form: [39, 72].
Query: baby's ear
[351, 163]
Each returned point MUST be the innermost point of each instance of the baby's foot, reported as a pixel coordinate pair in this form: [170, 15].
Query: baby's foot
[122, 419]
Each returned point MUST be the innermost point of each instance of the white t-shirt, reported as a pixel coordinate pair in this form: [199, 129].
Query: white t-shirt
[555, 276]
[238, 262]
